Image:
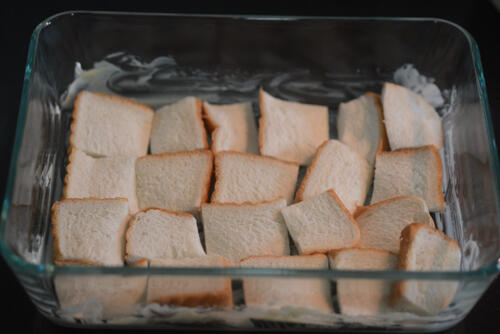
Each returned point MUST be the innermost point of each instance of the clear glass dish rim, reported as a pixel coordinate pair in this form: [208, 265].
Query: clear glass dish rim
[20, 265]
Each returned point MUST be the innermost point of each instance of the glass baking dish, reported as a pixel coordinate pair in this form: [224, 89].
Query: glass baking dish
[158, 58]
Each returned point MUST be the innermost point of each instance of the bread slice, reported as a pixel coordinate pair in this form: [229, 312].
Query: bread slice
[424, 248]
[410, 172]
[162, 234]
[274, 293]
[188, 290]
[174, 181]
[321, 223]
[107, 177]
[236, 231]
[336, 166]
[409, 120]
[117, 295]
[291, 131]
[381, 223]
[363, 296]
[90, 230]
[233, 127]
[179, 127]
[109, 125]
[360, 125]
[241, 177]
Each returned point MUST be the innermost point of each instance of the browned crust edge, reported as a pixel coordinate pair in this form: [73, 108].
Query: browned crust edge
[361, 210]
[199, 112]
[384, 141]
[243, 204]
[316, 254]
[255, 157]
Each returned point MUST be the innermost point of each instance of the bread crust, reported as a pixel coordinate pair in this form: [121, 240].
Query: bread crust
[383, 144]
[302, 187]
[223, 298]
[58, 257]
[321, 255]
[335, 252]
[217, 166]
[361, 210]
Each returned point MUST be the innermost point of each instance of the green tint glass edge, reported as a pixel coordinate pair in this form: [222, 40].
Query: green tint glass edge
[19, 264]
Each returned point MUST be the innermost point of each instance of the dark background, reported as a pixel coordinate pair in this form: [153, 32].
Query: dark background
[480, 18]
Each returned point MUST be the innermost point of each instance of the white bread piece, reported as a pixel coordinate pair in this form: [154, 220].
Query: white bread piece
[90, 230]
[241, 177]
[410, 172]
[424, 248]
[236, 231]
[291, 131]
[365, 296]
[118, 295]
[381, 223]
[360, 125]
[109, 125]
[162, 234]
[321, 223]
[177, 181]
[233, 127]
[336, 166]
[107, 177]
[179, 127]
[409, 120]
[284, 292]
[188, 290]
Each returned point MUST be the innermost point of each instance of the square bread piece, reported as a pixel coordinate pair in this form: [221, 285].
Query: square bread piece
[179, 127]
[241, 177]
[174, 181]
[236, 231]
[410, 121]
[410, 172]
[275, 293]
[360, 125]
[291, 131]
[90, 230]
[336, 166]
[381, 223]
[363, 296]
[109, 125]
[233, 127]
[162, 234]
[321, 223]
[107, 177]
[208, 291]
[117, 295]
[424, 248]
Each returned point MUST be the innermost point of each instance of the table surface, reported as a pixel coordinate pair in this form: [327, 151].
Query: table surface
[480, 18]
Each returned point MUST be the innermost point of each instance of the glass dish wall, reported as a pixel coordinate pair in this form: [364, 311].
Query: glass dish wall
[157, 59]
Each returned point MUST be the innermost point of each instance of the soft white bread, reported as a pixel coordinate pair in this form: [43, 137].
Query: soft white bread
[174, 181]
[291, 131]
[107, 177]
[241, 177]
[424, 248]
[336, 166]
[409, 120]
[365, 296]
[188, 290]
[233, 127]
[236, 231]
[109, 125]
[321, 223]
[381, 223]
[118, 295]
[162, 234]
[410, 172]
[179, 127]
[360, 125]
[288, 292]
[90, 230]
